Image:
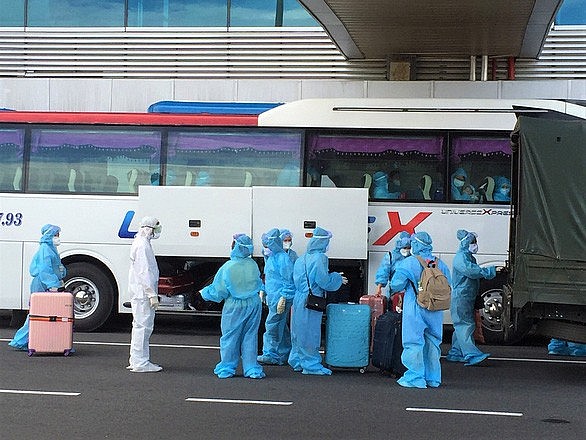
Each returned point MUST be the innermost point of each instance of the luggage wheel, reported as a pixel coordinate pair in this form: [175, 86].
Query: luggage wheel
[31, 352]
[363, 370]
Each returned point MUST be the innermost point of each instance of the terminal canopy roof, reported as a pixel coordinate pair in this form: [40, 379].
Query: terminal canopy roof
[390, 28]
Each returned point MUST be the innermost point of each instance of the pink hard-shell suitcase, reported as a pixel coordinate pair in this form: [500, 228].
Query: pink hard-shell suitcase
[51, 323]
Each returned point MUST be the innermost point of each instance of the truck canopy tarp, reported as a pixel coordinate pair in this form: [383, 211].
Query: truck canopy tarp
[553, 188]
[550, 243]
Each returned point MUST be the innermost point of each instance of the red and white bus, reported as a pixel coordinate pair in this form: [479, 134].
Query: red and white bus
[208, 175]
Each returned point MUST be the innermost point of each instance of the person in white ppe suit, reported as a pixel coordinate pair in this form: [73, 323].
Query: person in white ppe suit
[143, 280]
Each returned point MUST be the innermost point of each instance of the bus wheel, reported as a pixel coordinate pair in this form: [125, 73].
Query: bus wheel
[93, 295]
[492, 314]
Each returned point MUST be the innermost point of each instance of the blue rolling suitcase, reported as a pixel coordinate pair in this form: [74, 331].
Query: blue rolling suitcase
[387, 344]
[348, 336]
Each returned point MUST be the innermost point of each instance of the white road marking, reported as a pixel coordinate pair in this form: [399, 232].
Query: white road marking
[466, 411]
[238, 401]
[42, 393]
[552, 361]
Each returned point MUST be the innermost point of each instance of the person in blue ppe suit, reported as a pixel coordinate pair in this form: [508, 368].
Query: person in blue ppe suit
[143, 286]
[560, 347]
[466, 276]
[306, 323]
[238, 284]
[287, 238]
[203, 179]
[280, 291]
[422, 329]
[502, 189]
[387, 267]
[460, 188]
[381, 187]
[47, 272]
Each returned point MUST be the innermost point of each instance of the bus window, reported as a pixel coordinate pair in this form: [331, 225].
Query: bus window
[480, 169]
[92, 161]
[234, 158]
[11, 156]
[393, 167]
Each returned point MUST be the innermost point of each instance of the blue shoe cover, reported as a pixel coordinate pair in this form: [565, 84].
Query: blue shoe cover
[451, 358]
[323, 371]
[432, 384]
[475, 360]
[225, 375]
[267, 360]
[405, 383]
[257, 375]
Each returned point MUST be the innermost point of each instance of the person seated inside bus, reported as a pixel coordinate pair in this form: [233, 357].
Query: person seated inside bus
[502, 189]
[423, 190]
[203, 179]
[471, 192]
[380, 186]
[460, 188]
[110, 184]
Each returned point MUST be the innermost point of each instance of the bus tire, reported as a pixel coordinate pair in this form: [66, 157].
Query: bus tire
[491, 314]
[93, 295]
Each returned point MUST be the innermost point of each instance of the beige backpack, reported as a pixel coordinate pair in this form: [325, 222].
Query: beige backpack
[433, 291]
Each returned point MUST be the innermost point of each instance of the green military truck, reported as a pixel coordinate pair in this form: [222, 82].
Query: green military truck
[546, 284]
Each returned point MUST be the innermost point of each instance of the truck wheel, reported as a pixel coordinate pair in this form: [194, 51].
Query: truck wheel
[93, 295]
[492, 313]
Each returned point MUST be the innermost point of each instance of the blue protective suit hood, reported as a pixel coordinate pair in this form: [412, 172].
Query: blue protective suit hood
[285, 233]
[502, 189]
[243, 246]
[48, 232]
[421, 244]
[465, 238]
[320, 240]
[403, 241]
[273, 241]
[457, 192]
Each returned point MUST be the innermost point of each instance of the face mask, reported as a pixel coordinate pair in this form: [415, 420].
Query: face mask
[505, 191]
[156, 234]
[397, 182]
[473, 248]
[56, 241]
[287, 245]
[405, 252]
[458, 183]
[267, 252]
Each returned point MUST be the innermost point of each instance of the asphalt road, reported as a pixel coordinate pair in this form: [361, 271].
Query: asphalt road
[519, 393]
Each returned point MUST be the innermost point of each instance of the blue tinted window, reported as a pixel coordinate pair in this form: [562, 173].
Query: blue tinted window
[403, 167]
[295, 15]
[12, 13]
[253, 12]
[93, 161]
[572, 12]
[178, 13]
[11, 155]
[234, 158]
[75, 13]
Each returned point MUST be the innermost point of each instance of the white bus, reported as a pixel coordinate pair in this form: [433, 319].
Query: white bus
[208, 175]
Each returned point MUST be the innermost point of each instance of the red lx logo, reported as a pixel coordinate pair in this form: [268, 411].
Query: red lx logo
[397, 227]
